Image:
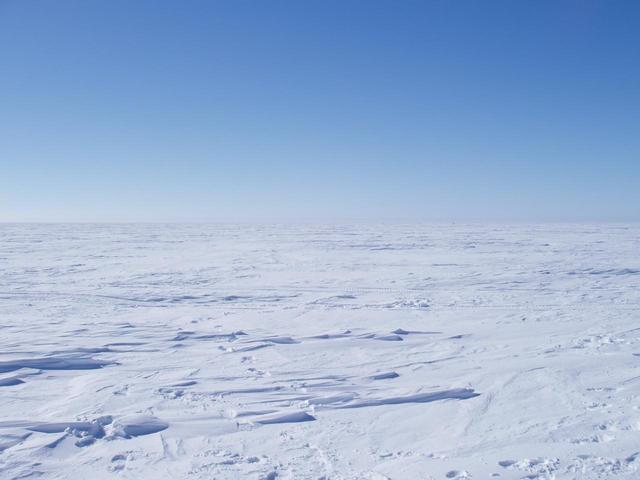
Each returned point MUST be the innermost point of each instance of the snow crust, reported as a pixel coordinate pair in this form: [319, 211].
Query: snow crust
[320, 352]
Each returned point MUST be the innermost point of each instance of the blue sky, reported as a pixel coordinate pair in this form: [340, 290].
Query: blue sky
[319, 110]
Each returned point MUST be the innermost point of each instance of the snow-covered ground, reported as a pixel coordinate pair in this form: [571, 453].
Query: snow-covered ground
[319, 352]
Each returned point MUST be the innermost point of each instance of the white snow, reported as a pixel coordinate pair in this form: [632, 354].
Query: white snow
[311, 352]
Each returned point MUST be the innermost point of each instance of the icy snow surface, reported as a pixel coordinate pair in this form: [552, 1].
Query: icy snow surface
[319, 352]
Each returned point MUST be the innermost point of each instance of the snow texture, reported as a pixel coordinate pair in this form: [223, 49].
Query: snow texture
[320, 352]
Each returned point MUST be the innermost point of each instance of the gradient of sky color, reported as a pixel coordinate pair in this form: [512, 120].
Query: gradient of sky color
[319, 110]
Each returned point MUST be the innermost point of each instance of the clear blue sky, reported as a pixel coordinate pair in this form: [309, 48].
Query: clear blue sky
[322, 110]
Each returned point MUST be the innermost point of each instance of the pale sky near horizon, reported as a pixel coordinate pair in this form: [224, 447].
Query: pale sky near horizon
[319, 110]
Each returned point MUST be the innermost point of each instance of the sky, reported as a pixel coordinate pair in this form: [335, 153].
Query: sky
[319, 111]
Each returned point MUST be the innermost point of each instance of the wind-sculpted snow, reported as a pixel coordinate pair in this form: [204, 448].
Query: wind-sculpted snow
[319, 352]
[138, 425]
[284, 417]
[457, 393]
[53, 363]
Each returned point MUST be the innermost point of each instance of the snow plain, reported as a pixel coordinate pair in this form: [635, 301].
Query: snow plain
[320, 352]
